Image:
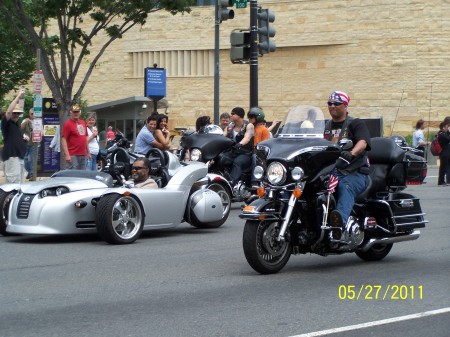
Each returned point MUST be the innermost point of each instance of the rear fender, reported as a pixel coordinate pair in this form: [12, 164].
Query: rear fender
[218, 178]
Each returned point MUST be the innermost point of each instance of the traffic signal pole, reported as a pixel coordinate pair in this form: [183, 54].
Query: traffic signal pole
[253, 53]
[216, 64]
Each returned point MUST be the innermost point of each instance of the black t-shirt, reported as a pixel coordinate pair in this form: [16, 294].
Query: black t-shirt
[356, 131]
[14, 145]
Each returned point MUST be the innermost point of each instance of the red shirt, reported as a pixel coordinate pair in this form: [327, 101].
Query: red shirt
[75, 134]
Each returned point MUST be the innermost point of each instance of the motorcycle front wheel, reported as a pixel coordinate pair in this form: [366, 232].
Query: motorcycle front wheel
[263, 252]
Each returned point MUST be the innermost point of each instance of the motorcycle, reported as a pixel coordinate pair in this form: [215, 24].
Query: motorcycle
[104, 154]
[211, 147]
[291, 215]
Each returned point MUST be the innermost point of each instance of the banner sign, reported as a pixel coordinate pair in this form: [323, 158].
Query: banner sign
[155, 82]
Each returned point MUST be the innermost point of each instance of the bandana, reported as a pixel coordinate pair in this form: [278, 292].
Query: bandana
[340, 96]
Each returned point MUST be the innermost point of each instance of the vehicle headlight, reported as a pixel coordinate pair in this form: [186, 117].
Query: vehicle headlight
[61, 190]
[276, 173]
[297, 173]
[196, 155]
[258, 172]
[54, 191]
[45, 193]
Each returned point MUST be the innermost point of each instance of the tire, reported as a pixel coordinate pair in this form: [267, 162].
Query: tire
[263, 253]
[4, 205]
[3, 217]
[101, 163]
[119, 219]
[225, 196]
[376, 253]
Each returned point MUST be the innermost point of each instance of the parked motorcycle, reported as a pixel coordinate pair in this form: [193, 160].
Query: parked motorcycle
[291, 215]
[104, 155]
[211, 147]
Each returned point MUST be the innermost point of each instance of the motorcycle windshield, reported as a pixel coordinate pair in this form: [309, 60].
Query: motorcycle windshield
[303, 121]
[210, 130]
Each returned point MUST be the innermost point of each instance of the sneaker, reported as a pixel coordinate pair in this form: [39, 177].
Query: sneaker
[336, 221]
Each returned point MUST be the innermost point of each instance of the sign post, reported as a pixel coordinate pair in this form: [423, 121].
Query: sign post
[155, 85]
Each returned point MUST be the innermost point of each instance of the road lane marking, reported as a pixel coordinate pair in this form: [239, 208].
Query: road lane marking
[375, 323]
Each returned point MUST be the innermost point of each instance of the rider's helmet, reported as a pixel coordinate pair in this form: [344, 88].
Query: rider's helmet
[211, 129]
[399, 140]
[257, 113]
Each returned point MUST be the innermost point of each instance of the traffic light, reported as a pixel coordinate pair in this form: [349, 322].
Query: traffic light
[224, 12]
[266, 31]
[240, 46]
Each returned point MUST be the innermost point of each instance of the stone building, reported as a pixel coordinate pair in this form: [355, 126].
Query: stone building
[389, 56]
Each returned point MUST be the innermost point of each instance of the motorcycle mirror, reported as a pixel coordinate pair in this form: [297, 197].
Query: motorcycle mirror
[345, 144]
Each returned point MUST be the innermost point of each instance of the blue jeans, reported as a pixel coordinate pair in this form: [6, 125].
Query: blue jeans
[28, 159]
[349, 187]
[92, 163]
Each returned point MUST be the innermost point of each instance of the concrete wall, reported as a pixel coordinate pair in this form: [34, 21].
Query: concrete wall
[390, 56]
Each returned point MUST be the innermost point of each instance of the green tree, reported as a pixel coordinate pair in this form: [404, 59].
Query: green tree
[16, 62]
[62, 54]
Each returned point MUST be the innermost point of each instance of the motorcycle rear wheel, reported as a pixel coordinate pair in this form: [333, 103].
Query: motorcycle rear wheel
[225, 196]
[375, 253]
[263, 252]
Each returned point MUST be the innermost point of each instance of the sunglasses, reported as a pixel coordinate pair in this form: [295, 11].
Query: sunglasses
[137, 168]
[334, 103]
[16, 113]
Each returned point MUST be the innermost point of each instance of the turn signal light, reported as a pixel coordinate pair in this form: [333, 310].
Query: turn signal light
[260, 192]
[249, 208]
[297, 192]
[127, 193]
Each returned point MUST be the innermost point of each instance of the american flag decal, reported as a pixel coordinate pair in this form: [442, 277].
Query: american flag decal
[332, 183]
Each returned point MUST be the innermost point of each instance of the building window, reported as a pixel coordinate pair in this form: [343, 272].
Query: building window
[178, 63]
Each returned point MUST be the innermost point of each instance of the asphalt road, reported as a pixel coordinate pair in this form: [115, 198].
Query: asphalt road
[191, 282]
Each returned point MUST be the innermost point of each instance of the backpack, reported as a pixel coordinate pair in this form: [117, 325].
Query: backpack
[435, 147]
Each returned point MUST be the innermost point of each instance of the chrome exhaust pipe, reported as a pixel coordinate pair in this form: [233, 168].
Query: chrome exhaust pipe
[408, 237]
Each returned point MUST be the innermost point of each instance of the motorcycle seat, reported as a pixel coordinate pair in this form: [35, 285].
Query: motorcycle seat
[385, 151]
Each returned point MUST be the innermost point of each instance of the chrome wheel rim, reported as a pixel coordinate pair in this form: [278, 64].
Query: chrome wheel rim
[126, 217]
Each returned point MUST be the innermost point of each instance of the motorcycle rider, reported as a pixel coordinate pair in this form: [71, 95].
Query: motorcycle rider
[242, 132]
[352, 165]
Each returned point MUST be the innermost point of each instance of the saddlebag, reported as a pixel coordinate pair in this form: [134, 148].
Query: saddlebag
[400, 214]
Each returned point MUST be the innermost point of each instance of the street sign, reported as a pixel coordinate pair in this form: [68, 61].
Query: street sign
[38, 78]
[240, 3]
[155, 82]
[37, 105]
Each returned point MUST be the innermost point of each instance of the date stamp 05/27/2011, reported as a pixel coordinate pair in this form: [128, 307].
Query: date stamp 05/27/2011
[370, 292]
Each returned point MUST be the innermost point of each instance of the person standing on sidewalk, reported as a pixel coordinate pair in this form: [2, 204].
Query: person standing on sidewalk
[92, 139]
[74, 141]
[14, 142]
[27, 127]
[444, 156]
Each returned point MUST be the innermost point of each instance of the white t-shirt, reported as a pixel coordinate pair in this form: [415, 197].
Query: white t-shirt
[93, 144]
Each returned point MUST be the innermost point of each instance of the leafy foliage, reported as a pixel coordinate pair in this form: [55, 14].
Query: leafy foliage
[64, 31]
[16, 62]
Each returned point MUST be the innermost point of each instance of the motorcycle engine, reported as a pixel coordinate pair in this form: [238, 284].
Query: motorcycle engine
[352, 234]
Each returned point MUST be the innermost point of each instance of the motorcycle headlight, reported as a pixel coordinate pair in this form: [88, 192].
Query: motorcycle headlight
[196, 155]
[276, 173]
[297, 173]
[258, 172]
